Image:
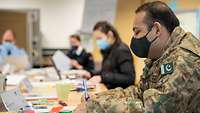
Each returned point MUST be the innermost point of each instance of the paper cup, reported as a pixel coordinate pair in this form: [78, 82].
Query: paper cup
[63, 90]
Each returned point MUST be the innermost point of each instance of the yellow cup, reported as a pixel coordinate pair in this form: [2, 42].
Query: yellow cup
[63, 90]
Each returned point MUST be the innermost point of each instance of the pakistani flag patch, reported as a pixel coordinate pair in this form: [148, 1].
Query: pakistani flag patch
[167, 68]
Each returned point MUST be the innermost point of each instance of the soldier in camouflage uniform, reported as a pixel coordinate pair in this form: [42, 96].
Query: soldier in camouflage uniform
[170, 82]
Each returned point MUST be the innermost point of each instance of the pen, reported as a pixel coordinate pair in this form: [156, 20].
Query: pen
[85, 89]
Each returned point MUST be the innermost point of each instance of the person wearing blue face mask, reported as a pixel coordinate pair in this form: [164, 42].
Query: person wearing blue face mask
[102, 44]
[8, 47]
[117, 65]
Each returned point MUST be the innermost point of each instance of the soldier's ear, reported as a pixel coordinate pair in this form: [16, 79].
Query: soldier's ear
[157, 27]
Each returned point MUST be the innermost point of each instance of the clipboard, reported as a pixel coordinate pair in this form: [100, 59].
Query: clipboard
[60, 62]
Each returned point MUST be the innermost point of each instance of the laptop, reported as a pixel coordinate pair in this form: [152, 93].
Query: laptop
[18, 62]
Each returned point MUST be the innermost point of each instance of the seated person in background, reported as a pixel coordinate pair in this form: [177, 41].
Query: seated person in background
[171, 79]
[80, 59]
[8, 47]
[117, 65]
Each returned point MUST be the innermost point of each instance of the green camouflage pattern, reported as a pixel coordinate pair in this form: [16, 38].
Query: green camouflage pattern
[177, 92]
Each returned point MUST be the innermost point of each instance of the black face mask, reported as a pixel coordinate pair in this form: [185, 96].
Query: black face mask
[74, 47]
[140, 46]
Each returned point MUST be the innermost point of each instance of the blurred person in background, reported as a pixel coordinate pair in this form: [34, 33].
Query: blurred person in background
[80, 58]
[8, 47]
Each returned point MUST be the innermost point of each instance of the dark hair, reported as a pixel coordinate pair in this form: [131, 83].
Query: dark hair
[160, 12]
[105, 27]
[77, 37]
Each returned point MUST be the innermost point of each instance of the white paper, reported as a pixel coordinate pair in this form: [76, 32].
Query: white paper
[62, 62]
[6, 69]
[38, 96]
[42, 95]
[15, 79]
[13, 100]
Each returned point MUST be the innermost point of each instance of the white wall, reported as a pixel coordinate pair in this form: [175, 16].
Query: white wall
[59, 18]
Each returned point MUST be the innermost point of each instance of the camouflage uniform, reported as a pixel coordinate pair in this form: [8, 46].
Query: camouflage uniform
[171, 84]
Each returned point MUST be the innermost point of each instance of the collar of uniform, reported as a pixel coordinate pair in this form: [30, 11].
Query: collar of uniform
[191, 43]
[148, 62]
[177, 33]
[174, 39]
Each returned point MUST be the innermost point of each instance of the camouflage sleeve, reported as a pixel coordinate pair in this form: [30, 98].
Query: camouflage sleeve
[110, 101]
[179, 94]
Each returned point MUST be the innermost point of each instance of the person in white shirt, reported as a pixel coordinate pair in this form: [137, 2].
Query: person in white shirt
[80, 58]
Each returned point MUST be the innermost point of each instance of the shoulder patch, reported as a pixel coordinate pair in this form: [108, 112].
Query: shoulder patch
[167, 68]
